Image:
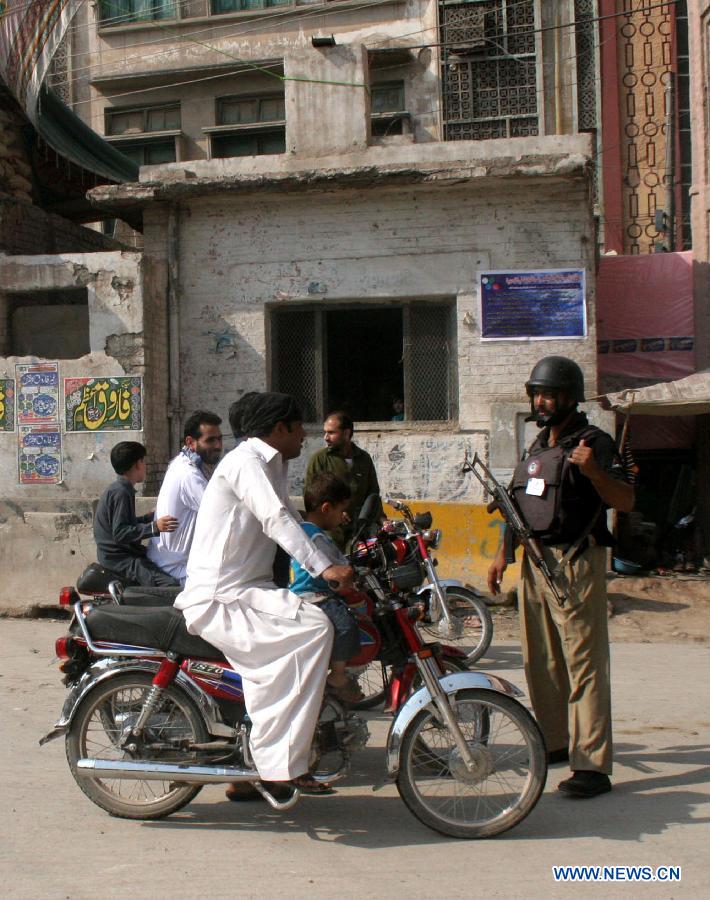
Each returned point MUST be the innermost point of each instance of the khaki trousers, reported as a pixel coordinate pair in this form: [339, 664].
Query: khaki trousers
[566, 654]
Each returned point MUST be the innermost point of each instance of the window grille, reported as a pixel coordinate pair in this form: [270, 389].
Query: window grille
[586, 64]
[489, 76]
[362, 358]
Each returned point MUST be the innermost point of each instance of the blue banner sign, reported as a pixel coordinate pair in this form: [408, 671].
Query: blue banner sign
[541, 305]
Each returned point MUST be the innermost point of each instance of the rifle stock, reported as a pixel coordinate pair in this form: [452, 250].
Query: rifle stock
[517, 527]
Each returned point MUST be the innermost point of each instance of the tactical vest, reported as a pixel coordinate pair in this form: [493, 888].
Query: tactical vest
[553, 503]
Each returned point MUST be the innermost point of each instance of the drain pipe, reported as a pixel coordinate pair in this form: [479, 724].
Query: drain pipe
[174, 393]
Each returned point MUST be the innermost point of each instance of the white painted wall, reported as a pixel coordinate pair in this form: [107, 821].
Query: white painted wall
[239, 255]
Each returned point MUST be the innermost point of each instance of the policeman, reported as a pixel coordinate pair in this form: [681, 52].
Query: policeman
[563, 486]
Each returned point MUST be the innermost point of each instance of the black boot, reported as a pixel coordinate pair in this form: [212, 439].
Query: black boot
[585, 784]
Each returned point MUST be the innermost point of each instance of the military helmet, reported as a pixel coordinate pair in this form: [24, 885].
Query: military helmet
[557, 373]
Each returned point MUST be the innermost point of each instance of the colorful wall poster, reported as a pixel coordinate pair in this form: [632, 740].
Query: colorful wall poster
[37, 393]
[539, 305]
[7, 404]
[40, 454]
[110, 403]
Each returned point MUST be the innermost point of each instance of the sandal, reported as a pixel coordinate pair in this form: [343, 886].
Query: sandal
[306, 784]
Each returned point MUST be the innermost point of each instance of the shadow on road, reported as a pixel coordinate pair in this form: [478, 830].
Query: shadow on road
[636, 807]
[646, 805]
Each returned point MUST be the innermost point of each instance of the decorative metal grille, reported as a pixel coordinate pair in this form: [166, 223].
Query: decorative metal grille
[299, 355]
[586, 64]
[489, 73]
[294, 349]
[58, 75]
[429, 376]
[645, 57]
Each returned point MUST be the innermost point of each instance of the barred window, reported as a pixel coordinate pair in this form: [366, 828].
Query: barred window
[365, 358]
[489, 69]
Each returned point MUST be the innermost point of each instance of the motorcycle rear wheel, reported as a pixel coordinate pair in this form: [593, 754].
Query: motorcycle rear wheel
[473, 613]
[510, 774]
[96, 731]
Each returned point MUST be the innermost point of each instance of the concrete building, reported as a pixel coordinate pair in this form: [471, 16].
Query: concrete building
[340, 176]
[320, 185]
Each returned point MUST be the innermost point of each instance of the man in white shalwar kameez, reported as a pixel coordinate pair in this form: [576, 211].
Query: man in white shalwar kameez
[279, 645]
[182, 490]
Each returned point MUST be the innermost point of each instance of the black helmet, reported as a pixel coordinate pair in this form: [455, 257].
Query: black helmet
[557, 373]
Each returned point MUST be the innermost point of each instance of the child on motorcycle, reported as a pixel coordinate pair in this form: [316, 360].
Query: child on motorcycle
[326, 499]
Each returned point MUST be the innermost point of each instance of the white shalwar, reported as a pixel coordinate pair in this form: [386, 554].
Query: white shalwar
[180, 496]
[279, 645]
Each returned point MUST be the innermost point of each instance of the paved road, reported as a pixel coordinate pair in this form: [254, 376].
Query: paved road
[56, 844]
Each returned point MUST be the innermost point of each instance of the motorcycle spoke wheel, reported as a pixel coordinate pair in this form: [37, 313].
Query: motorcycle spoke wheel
[96, 733]
[472, 612]
[506, 782]
[371, 681]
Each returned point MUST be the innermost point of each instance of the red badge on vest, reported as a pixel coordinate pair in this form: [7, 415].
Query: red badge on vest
[534, 467]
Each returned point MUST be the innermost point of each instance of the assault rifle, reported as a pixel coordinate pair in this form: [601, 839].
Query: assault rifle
[517, 526]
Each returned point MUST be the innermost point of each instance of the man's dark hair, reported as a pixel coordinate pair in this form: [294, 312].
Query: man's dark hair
[325, 487]
[344, 420]
[236, 413]
[199, 418]
[125, 455]
[265, 410]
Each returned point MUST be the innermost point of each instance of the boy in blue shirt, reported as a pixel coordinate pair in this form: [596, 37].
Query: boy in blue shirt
[326, 499]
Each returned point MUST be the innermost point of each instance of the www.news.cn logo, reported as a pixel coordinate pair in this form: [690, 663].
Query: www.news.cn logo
[616, 873]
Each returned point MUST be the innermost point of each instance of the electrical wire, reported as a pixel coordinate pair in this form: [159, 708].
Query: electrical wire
[256, 22]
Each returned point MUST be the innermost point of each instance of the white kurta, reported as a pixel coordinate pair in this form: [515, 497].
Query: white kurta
[280, 646]
[180, 496]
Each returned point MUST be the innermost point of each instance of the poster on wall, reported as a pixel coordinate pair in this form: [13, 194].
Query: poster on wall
[539, 305]
[40, 454]
[106, 403]
[37, 393]
[7, 404]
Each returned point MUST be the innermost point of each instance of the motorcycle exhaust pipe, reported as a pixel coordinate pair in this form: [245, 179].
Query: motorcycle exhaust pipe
[156, 771]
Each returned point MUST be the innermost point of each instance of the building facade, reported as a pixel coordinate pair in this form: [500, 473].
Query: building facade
[321, 186]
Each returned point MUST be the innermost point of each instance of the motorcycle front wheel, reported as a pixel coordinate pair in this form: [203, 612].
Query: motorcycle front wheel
[472, 612]
[507, 779]
[104, 715]
[371, 680]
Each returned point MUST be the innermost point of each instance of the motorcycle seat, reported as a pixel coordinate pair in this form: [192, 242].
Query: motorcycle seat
[95, 579]
[162, 628]
[150, 596]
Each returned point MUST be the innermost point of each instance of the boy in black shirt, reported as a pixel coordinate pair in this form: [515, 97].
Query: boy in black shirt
[119, 533]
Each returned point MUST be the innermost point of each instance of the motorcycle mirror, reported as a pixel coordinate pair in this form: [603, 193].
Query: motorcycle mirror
[368, 513]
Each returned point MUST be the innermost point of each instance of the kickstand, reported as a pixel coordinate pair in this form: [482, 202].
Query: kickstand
[280, 805]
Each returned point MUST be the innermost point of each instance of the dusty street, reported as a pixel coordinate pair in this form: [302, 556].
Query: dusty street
[56, 844]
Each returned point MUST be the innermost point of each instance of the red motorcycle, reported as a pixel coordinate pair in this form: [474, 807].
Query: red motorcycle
[399, 554]
[154, 713]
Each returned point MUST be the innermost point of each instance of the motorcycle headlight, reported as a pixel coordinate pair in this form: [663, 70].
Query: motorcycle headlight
[432, 537]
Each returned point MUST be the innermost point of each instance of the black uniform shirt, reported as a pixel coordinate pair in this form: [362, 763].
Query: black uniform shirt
[118, 532]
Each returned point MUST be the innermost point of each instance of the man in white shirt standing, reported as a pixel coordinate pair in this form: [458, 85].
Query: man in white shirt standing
[279, 645]
[182, 489]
